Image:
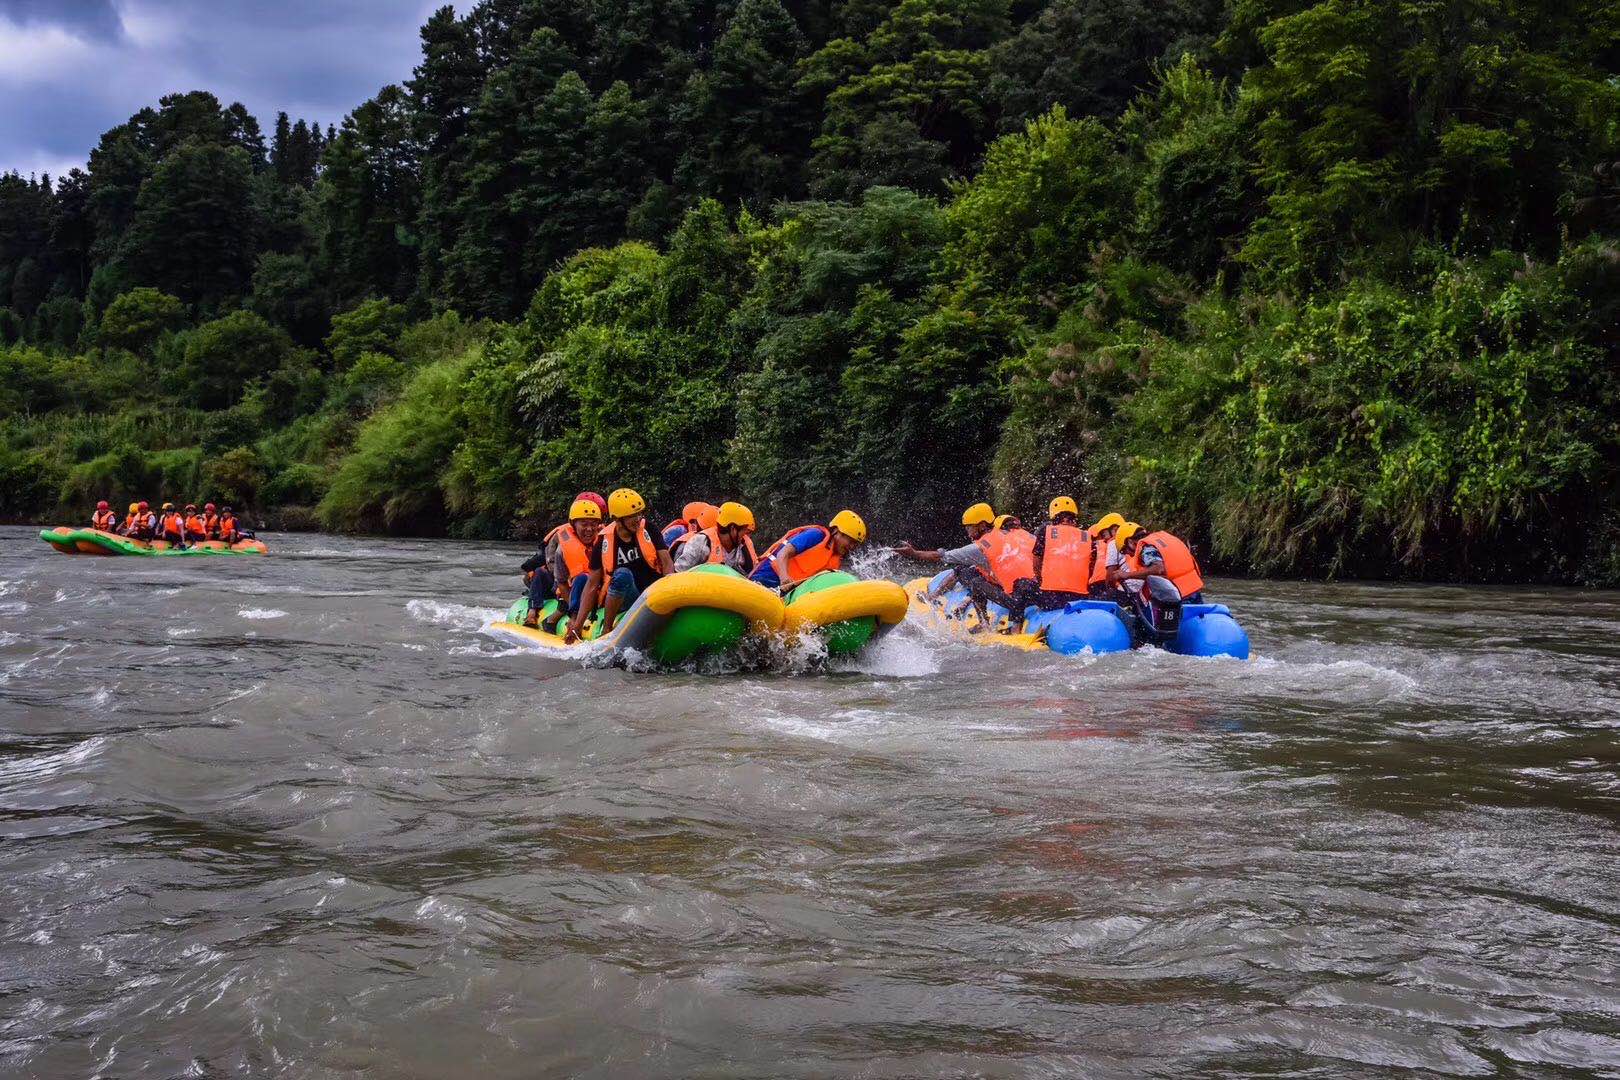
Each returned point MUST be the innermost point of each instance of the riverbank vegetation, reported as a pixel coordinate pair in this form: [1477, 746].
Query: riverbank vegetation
[1331, 287]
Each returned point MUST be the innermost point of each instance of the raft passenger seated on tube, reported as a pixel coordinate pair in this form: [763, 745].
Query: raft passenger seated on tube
[561, 567]
[1065, 562]
[695, 517]
[807, 550]
[730, 540]
[969, 564]
[628, 560]
[1145, 554]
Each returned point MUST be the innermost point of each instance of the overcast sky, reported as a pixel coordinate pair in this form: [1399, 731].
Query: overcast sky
[71, 69]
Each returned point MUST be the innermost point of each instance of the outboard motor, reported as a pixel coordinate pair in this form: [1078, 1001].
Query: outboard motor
[1157, 607]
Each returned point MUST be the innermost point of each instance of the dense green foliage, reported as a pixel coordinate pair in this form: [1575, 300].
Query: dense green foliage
[1329, 285]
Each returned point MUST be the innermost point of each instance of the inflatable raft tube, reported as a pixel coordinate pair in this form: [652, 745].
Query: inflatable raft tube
[845, 611]
[952, 614]
[706, 609]
[96, 542]
[1096, 626]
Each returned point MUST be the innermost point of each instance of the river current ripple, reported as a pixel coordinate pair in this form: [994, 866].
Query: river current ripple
[299, 817]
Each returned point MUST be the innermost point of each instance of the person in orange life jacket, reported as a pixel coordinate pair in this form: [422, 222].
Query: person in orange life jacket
[969, 564]
[196, 528]
[1158, 554]
[131, 520]
[695, 517]
[807, 550]
[105, 518]
[1103, 535]
[171, 526]
[729, 540]
[628, 559]
[562, 565]
[1065, 562]
[229, 531]
[211, 521]
[145, 524]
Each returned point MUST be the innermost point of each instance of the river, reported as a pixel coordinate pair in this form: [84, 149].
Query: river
[300, 817]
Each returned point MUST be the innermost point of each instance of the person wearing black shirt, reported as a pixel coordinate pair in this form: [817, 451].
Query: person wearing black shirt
[629, 558]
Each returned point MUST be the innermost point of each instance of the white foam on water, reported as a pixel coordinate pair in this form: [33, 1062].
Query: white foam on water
[38, 767]
[262, 613]
[13, 607]
[183, 631]
[439, 910]
[444, 613]
[483, 650]
[8, 638]
[896, 655]
[1358, 675]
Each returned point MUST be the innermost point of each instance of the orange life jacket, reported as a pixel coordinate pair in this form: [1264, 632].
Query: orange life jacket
[648, 551]
[105, 520]
[148, 521]
[804, 565]
[1066, 559]
[1011, 553]
[576, 556]
[1179, 565]
[717, 553]
[211, 525]
[195, 529]
[227, 529]
[686, 530]
[131, 523]
[174, 525]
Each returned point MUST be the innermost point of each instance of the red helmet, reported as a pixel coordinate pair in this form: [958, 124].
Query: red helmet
[102, 505]
[208, 506]
[593, 497]
[144, 506]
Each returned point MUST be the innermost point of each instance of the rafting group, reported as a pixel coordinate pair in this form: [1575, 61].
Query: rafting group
[1111, 586]
[212, 530]
[605, 551]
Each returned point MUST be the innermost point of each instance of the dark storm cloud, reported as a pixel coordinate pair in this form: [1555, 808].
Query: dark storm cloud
[71, 69]
[90, 18]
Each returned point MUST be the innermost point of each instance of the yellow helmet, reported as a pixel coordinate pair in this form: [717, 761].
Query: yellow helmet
[978, 514]
[735, 513]
[584, 510]
[1109, 521]
[850, 524]
[133, 507]
[1062, 505]
[1126, 531]
[1001, 521]
[624, 502]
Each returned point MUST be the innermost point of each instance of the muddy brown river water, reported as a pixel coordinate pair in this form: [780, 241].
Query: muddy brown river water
[300, 817]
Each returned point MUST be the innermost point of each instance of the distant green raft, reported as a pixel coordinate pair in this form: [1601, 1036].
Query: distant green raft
[96, 542]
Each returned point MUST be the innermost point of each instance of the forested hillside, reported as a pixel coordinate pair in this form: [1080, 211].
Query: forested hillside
[1333, 286]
